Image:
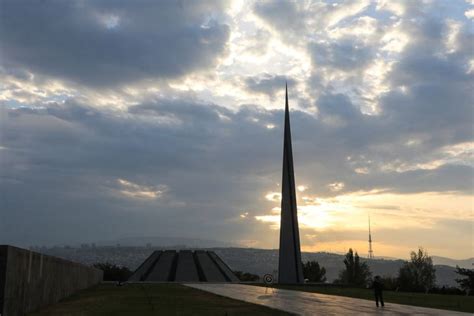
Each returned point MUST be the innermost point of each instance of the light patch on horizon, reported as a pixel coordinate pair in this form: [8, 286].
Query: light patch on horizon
[470, 68]
[272, 220]
[109, 21]
[364, 27]
[362, 170]
[273, 196]
[28, 89]
[336, 186]
[342, 12]
[359, 246]
[451, 38]
[460, 154]
[248, 242]
[469, 14]
[137, 191]
[395, 7]
[395, 40]
[375, 77]
[388, 211]
[302, 188]
[244, 215]
[413, 142]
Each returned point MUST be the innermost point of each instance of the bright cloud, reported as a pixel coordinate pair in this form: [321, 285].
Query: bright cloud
[273, 196]
[336, 186]
[134, 190]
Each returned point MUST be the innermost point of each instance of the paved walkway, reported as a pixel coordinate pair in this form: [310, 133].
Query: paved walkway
[305, 303]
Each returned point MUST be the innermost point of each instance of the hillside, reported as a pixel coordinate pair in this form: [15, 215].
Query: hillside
[257, 261]
[261, 261]
[463, 263]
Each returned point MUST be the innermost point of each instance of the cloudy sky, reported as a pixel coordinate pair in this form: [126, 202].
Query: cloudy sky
[164, 118]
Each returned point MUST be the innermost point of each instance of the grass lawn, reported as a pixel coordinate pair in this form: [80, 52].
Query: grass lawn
[151, 299]
[449, 302]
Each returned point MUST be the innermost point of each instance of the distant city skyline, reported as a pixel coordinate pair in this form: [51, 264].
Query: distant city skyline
[122, 119]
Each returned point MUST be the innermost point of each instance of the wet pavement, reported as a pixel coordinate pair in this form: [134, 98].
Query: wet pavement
[305, 303]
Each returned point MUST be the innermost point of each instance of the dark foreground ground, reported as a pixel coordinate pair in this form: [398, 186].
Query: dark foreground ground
[448, 302]
[151, 299]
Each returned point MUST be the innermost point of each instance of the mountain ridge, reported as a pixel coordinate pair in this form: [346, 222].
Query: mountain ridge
[164, 241]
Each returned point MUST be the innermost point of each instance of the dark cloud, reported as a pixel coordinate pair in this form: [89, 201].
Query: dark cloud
[268, 84]
[429, 100]
[438, 99]
[339, 105]
[283, 16]
[61, 164]
[346, 54]
[64, 162]
[105, 43]
[299, 22]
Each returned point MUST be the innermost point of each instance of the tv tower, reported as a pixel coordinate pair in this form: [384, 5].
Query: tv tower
[371, 252]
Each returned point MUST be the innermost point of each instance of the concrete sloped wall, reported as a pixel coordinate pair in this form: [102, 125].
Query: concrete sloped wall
[31, 280]
[183, 266]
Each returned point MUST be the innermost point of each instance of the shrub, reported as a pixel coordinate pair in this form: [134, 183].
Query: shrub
[246, 276]
[114, 272]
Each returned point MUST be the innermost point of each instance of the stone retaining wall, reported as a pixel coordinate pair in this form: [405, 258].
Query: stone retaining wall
[29, 280]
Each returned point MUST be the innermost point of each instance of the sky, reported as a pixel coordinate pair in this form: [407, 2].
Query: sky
[165, 118]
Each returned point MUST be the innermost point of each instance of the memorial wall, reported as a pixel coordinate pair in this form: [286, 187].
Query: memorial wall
[30, 280]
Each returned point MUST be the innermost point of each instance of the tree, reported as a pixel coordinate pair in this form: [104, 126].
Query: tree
[467, 283]
[313, 272]
[356, 273]
[114, 272]
[418, 274]
[246, 277]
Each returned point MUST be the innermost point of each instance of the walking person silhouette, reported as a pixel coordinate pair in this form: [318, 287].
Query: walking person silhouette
[378, 290]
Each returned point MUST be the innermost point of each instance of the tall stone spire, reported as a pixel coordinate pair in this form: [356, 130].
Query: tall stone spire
[290, 269]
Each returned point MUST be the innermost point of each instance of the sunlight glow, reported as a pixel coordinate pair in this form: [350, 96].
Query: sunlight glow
[273, 196]
[302, 188]
[347, 214]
